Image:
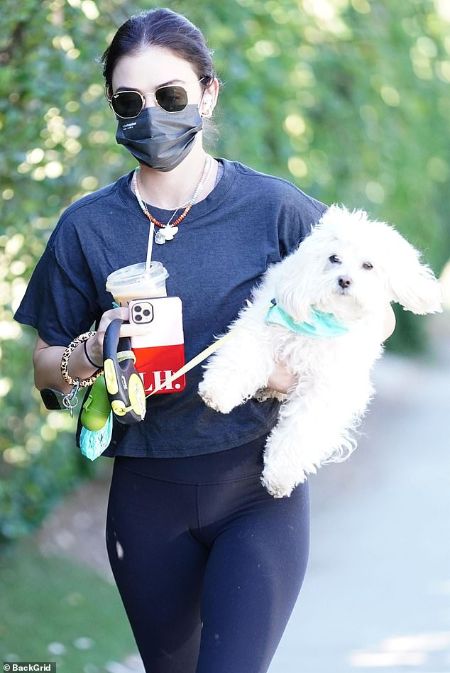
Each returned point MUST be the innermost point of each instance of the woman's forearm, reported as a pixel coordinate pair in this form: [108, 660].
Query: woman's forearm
[47, 367]
[47, 359]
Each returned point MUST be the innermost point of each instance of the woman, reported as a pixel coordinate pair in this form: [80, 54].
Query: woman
[207, 563]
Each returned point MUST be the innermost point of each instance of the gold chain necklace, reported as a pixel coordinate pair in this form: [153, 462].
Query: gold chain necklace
[168, 230]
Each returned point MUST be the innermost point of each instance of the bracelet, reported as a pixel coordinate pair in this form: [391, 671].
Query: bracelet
[82, 383]
[88, 358]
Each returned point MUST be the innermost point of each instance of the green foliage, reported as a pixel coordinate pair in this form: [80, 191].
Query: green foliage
[39, 593]
[347, 98]
[39, 462]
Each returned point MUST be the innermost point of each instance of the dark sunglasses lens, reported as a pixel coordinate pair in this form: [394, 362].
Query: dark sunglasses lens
[172, 98]
[127, 103]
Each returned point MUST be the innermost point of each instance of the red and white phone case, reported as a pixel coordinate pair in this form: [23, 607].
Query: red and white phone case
[159, 349]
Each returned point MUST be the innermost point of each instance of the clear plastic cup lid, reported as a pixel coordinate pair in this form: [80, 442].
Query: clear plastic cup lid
[136, 274]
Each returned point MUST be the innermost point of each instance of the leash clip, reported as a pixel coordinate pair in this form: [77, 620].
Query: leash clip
[70, 400]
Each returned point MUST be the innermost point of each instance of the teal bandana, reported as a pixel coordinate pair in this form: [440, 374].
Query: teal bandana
[322, 324]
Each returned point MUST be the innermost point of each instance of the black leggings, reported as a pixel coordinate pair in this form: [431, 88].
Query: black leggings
[208, 564]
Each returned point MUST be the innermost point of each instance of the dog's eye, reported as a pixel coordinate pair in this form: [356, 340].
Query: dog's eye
[335, 259]
[367, 265]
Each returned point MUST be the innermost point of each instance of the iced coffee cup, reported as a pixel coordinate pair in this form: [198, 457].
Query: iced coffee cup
[157, 342]
[135, 282]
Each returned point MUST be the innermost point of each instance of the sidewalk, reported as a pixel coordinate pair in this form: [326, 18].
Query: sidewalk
[376, 596]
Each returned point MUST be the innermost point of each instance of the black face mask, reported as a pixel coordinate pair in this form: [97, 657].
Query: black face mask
[160, 139]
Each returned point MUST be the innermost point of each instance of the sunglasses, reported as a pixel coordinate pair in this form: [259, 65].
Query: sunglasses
[130, 103]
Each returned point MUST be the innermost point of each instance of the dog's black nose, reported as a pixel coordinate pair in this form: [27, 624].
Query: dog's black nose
[344, 281]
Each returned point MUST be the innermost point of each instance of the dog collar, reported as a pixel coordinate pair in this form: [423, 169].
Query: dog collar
[322, 324]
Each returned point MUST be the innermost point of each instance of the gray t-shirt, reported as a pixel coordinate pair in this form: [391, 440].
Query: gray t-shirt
[222, 248]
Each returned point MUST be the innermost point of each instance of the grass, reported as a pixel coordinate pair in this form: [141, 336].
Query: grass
[52, 609]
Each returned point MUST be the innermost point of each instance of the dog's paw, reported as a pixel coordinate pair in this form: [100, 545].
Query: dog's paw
[216, 399]
[275, 490]
[264, 394]
[279, 486]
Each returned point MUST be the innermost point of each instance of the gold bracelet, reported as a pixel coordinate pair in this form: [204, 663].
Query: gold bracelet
[82, 383]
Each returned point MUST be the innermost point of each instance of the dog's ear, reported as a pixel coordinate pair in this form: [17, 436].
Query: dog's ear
[411, 282]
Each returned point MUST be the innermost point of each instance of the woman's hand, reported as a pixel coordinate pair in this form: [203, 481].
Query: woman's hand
[127, 330]
[95, 346]
[281, 379]
[389, 322]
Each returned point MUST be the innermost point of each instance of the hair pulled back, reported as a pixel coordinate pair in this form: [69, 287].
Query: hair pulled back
[161, 27]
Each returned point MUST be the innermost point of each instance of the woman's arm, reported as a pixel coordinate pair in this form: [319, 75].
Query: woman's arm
[47, 359]
[47, 369]
[281, 378]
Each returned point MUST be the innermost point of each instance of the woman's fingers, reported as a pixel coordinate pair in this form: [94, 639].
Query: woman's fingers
[113, 313]
[281, 379]
[132, 329]
[126, 330]
[388, 322]
[106, 319]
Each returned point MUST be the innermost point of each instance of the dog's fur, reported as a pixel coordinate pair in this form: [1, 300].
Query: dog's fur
[333, 388]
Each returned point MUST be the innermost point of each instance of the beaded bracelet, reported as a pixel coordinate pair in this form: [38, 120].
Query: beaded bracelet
[82, 383]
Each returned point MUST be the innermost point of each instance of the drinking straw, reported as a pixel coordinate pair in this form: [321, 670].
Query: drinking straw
[149, 248]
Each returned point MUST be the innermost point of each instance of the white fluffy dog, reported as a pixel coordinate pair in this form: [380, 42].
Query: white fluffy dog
[325, 325]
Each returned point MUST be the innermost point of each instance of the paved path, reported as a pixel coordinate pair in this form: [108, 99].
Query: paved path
[376, 597]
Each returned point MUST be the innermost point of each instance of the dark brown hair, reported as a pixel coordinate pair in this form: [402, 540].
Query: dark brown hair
[161, 27]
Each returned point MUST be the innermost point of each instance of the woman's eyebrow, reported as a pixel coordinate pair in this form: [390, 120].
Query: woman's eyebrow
[172, 81]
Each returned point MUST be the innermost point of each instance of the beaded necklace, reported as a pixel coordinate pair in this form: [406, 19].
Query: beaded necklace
[167, 231]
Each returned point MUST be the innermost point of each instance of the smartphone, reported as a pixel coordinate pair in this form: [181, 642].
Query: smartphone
[159, 349]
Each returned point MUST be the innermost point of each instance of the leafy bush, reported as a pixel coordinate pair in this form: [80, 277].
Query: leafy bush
[347, 98]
